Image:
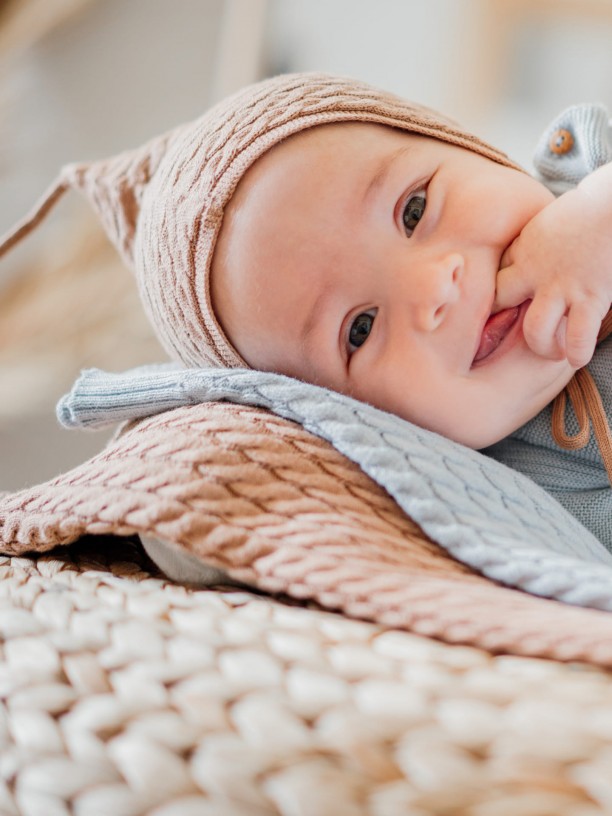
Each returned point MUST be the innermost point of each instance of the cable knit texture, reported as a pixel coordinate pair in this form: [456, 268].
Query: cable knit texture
[277, 508]
[269, 503]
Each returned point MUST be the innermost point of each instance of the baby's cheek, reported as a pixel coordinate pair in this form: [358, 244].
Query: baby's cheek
[523, 200]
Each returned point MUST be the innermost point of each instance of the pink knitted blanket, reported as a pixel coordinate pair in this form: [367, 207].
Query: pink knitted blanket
[281, 510]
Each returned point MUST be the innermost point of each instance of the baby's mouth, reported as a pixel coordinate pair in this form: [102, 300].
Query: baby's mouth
[495, 329]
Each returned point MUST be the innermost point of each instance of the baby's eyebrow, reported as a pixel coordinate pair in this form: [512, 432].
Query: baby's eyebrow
[382, 171]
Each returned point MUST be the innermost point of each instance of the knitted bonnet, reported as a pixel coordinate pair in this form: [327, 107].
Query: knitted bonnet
[162, 204]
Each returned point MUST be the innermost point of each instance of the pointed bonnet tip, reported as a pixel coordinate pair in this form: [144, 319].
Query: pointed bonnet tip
[114, 187]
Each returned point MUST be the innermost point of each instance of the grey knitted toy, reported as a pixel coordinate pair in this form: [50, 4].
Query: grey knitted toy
[575, 143]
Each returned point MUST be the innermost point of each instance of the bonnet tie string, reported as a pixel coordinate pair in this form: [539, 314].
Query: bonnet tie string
[45, 203]
[588, 408]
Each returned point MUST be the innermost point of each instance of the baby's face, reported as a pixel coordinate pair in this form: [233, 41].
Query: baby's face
[364, 259]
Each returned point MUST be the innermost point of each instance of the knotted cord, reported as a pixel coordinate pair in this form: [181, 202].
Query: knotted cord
[588, 408]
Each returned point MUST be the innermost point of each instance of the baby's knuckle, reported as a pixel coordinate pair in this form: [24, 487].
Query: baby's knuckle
[536, 339]
[579, 336]
[581, 347]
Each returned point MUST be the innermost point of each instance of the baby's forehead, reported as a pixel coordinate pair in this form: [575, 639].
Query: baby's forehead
[351, 140]
[343, 133]
[335, 141]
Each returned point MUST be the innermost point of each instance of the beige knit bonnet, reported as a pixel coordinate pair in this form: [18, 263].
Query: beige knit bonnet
[162, 204]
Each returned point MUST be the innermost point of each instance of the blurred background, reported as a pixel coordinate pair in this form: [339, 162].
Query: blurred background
[82, 79]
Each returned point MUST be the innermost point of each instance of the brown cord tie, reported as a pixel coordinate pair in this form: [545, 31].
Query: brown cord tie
[588, 408]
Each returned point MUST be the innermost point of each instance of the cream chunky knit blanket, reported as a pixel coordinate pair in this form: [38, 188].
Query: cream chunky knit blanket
[125, 694]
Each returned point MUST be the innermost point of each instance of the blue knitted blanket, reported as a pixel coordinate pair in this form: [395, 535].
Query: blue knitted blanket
[485, 514]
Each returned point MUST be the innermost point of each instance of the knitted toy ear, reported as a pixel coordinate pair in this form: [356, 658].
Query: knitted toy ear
[574, 144]
[114, 187]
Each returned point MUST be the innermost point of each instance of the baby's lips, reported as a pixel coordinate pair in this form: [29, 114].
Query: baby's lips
[494, 332]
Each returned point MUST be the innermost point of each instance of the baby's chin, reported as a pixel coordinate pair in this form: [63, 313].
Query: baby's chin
[496, 434]
[479, 438]
[490, 425]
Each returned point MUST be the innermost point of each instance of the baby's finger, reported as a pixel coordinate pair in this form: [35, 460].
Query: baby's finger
[583, 324]
[512, 288]
[540, 327]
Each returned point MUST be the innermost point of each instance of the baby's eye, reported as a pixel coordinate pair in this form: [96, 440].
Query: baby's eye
[360, 329]
[413, 211]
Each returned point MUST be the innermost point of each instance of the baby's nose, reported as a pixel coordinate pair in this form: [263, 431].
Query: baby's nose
[439, 286]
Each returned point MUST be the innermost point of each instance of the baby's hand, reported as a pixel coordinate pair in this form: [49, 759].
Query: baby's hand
[562, 262]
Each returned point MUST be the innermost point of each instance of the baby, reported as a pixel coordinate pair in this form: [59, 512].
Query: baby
[414, 275]
[320, 228]
[429, 281]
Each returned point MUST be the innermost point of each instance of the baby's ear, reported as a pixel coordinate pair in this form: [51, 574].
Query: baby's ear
[115, 189]
[574, 144]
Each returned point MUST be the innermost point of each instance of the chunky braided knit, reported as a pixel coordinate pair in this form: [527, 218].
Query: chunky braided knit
[279, 509]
